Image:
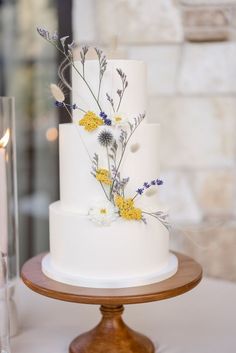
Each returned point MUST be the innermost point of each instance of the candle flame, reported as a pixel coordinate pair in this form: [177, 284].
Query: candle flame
[4, 140]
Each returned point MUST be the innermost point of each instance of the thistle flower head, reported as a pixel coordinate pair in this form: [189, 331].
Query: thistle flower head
[57, 93]
[105, 138]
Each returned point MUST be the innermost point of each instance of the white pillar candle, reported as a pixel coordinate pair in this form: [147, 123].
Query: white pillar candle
[3, 195]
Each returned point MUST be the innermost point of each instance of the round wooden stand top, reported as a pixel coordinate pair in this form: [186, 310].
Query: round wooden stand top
[189, 274]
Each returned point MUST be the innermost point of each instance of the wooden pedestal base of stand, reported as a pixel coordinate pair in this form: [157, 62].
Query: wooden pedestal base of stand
[112, 335]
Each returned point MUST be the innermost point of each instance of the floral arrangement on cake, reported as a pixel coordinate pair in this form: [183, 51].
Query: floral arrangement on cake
[116, 203]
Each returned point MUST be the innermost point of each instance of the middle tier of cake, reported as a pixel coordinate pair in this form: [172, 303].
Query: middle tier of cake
[79, 189]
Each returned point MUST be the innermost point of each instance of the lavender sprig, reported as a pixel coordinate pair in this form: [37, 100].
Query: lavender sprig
[124, 140]
[71, 106]
[124, 81]
[119, 184]
[111, 101]
[105, 118]
[113, 152]
[102, 67]
[94, 164]
[46, 35]
[147, 185]
[83, 53]
[163, 217]
[53, 39]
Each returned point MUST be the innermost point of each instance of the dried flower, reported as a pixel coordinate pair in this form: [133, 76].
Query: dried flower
[46, 35]
[127, 209]
[108, 122]
[103, 213]
[91, 121]
[105, 138]
[131, 214]
[59, 104]
[147, 185]
[140, 191]
[43, 33]
[103, 115]
[57, 93]
[103, 175]
[119, 119]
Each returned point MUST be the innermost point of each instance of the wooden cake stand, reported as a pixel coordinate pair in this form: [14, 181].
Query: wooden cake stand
[112, 335]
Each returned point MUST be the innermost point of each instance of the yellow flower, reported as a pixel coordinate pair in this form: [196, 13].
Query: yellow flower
[103, 175]
[127, 209]
[119, 201]
[91, 121]
[123, 203]
[131, 213]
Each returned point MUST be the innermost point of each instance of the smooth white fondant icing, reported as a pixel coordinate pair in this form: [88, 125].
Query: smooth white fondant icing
[126, 249]
[124, 253]
[140, 280]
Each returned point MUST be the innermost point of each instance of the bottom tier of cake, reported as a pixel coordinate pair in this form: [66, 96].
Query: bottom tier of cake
[124, 254]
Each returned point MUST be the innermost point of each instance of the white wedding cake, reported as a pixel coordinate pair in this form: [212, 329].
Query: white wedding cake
[108, 229]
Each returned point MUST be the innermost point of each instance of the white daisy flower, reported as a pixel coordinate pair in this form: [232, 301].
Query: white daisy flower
[103, 213]
[119, 119]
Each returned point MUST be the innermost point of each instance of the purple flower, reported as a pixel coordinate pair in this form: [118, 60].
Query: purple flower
[59, 104]
[140, 191]
[107, 121]
[159, 182]
[103, 115]
[153, 182]
[146, 185]
[43, 33]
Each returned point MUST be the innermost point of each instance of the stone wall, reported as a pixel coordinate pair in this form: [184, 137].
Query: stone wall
[191, 90]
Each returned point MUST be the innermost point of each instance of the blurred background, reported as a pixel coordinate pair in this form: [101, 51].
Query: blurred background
[190, 51]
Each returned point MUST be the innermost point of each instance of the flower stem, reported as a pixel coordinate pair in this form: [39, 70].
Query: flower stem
[165, 224]
[68, 111]
[104, 191]
[120, 100]
[121, 96]
[99, 87]
[82, 110]
[108, 160]
[85, 81]
[122, 155]
[135, 196]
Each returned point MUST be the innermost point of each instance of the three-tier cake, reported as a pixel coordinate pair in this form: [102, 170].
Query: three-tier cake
[109, 229]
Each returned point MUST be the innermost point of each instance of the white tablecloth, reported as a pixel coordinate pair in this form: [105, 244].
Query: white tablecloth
[200, 321]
